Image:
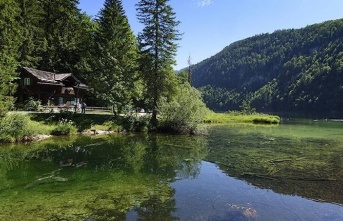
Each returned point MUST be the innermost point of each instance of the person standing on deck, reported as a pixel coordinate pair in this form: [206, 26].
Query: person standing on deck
[83, 107]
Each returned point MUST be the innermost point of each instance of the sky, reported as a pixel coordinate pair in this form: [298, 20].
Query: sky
[208, 26]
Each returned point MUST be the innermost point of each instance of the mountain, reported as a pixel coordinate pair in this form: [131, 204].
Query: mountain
[287, 70]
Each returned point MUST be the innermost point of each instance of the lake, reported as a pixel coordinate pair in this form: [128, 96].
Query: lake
[291, 171]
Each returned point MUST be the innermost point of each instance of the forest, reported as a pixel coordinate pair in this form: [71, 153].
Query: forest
[294, 70]
[123, 71]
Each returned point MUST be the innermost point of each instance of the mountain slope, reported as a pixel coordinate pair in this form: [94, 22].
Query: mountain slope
[288, 70]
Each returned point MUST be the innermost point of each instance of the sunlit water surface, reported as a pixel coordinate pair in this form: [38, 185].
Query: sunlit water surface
[293, 171]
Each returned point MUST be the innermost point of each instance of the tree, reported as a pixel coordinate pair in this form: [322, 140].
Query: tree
[10, 37]
[62, 31]
[115, 57]
[157, 48]
[32, 46]
[85, 46]
[189, 70]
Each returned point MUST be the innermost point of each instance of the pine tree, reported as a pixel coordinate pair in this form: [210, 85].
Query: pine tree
[116, 57]
[10, 37]
[83, 54]
[32, 46]
[158, 49]
[61, 35]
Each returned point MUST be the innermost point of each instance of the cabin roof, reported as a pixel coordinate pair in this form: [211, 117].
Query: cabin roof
[52, 78]
[61, 77]
[41, 75]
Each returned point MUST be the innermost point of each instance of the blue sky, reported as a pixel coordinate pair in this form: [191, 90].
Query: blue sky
[210, 25]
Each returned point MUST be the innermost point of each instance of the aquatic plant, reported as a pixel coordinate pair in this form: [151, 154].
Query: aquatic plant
[291, 160]
[96, 177]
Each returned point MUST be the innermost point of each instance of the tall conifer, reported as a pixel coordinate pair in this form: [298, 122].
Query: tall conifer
[10, 37]
[61, 33]
[32, 46]
[115, 56]
[158, 49]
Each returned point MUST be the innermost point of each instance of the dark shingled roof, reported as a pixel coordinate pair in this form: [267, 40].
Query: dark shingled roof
[42, 75]
[61, 77]
[52, 78]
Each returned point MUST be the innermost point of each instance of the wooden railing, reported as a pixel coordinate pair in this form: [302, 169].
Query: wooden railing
[60, 108]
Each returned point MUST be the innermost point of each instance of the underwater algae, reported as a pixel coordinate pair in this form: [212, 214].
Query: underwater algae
[95, 178]
[282, 159]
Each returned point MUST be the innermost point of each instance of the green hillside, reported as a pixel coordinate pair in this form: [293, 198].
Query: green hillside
[288, 70]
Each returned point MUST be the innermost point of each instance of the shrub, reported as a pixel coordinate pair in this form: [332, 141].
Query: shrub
[184, 112]
[33, 105]
[141, 124]
[6, 104]
[64, 127]
[111, 125]
[14, 127]
[134, 123]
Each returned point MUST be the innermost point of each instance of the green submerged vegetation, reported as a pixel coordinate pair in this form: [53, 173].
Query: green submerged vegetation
[303, 159]
[105, 177]
[100, 178]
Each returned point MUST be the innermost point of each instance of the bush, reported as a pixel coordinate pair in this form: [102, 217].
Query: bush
[6, 104]
[14, 127]
[141, 124]
[134, 123]
[184, 112]
[64, 127]
[33, 105]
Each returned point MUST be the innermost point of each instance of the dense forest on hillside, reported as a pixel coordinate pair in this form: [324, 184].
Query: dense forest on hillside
[288, 70]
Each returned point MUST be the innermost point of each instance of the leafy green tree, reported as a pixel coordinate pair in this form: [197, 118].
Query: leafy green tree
[10, 37]
[157, 48]
[115, 57]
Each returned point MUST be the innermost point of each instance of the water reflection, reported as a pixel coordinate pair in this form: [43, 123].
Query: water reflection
[99, 178]
[214, 196]
[286, 159]
[257, 173]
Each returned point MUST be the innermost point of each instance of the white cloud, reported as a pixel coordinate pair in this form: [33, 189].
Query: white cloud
[203, 3]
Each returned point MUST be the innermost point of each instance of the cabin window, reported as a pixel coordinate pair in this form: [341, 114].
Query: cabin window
[27, 81]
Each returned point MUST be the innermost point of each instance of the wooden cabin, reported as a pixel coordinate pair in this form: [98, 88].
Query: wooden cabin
[51, 88]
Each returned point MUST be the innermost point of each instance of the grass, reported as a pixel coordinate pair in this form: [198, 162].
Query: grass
[237, 117]
[66, 123]
[38, 128]
[70, 123]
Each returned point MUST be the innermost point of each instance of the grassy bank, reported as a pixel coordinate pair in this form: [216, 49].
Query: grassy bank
[238, 117]
[24, 126]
